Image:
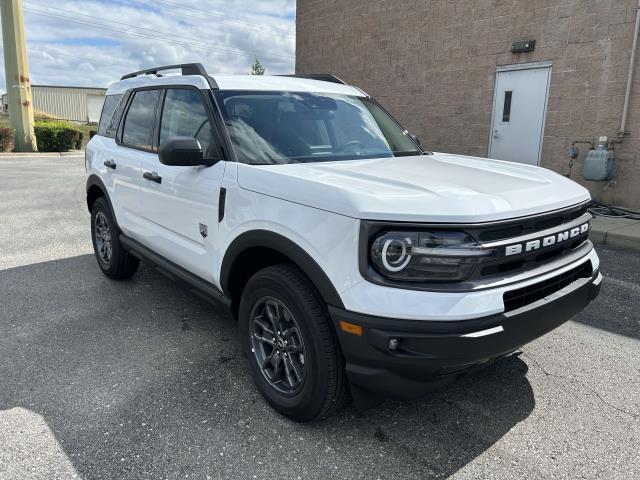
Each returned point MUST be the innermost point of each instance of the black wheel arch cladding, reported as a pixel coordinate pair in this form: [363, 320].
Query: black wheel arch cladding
[95, 184]
[285, 247]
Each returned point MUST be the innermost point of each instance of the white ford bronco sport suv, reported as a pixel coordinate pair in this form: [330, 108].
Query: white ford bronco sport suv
[352, 259]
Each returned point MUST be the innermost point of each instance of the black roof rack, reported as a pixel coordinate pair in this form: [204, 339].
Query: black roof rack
[325, 77]
[187, 69]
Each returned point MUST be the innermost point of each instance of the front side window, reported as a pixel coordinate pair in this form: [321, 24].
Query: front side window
[184, 114]
[292, 127]
[138, 124]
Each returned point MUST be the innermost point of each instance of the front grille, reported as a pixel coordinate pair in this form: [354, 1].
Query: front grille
[501, 264]
[521, 297]
[530, 226]
[505, 264]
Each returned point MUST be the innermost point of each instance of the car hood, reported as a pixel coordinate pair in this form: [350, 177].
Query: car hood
[426, 188]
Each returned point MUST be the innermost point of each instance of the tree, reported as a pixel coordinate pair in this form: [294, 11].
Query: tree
[257, 68]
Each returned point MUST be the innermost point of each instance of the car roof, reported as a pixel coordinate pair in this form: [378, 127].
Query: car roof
[237, 82]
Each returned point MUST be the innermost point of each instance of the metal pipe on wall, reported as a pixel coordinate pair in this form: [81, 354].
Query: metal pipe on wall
[632, 65]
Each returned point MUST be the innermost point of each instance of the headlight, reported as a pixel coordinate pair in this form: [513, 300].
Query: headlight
[429, 256]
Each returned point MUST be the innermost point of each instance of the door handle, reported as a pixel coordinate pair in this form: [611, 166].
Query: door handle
[495, 133]
[153, 176]
[110, 164]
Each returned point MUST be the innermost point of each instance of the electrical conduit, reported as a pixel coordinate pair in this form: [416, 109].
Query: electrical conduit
[632, 65]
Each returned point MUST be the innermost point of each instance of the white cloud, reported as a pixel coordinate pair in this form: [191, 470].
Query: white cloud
[99, 41]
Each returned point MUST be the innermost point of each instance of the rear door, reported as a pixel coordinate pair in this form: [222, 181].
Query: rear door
[134, 146]
[180, 204]
[118, 169]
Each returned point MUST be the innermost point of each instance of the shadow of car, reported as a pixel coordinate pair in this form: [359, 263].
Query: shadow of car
[142, 378]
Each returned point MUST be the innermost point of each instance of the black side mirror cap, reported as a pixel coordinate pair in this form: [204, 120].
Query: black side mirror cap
[183, 152]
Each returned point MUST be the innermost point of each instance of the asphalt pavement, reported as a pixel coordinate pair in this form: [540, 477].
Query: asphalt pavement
[142, 379]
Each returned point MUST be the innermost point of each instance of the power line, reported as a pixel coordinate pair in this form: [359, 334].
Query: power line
[93, 22]
[164, 36]
[197, 12]
[155, 33]
[56, 53]
[112, 29]
[181, 8]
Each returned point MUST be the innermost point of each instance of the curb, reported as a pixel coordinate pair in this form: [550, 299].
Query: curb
[72, 153]
[616, 232]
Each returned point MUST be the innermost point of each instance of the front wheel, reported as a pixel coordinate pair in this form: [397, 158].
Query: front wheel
[293, 354]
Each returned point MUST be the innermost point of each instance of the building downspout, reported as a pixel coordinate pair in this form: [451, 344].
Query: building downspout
[632, 65]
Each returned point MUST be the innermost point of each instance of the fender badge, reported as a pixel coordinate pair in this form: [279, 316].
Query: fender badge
[203, 230]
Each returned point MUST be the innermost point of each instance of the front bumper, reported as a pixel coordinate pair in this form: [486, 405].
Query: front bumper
[432, 353]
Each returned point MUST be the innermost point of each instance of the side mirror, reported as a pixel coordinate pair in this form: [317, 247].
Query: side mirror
[416, 139]
[182, 152]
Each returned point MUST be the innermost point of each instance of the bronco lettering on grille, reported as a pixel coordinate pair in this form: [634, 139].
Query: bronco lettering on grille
[547, 241]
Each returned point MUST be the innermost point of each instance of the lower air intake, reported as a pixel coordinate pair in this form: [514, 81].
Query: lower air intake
[521, 297]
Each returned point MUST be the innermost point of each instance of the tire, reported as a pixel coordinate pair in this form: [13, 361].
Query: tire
[323, 388]
[117, 264]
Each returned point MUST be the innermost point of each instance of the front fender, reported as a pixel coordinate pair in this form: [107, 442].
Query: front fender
[286, 247]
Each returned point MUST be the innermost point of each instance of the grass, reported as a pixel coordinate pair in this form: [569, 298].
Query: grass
[83, 127]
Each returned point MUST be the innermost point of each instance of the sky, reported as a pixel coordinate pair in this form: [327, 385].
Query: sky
[95, 42]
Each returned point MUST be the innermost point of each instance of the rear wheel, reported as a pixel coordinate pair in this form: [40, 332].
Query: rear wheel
[293, 354]
[114, 261]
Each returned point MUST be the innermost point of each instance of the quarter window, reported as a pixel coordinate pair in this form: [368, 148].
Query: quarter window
[138, 124]
[112, 125]
[110, 103]
[184, 115]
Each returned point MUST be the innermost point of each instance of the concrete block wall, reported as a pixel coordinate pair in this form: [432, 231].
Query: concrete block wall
[432, 63]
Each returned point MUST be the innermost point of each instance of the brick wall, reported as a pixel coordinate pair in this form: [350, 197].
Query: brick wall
[432, 63]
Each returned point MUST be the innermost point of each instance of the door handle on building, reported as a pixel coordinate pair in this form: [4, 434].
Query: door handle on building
[495, 134]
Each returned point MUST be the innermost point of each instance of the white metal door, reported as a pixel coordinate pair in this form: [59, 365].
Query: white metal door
[94, 107]
[519, 108]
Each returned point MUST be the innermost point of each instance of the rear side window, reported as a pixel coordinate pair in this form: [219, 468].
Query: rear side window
[184, 115]
[138, 124]
[108, 108]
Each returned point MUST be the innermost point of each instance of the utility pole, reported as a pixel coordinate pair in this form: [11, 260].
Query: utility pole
[16, 68]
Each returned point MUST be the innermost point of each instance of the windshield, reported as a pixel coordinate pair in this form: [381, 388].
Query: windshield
[291, 127]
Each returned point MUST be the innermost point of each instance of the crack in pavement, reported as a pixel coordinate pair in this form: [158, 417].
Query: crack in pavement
[579, 383]
[380, 432]
[623, 283]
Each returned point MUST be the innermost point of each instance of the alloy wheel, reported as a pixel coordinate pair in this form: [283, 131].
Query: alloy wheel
[103, 237]
[277, 345]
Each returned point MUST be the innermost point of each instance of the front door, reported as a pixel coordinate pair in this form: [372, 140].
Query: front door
[180, 204]
[519, 109]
